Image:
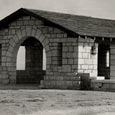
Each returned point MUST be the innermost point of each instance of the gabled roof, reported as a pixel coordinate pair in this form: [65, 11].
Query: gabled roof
[81, 25]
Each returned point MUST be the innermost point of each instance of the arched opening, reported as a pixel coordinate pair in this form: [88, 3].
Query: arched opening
[21, 58]
[31, 66]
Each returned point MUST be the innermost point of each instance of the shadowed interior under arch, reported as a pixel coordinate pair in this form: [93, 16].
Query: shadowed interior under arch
[33, 72]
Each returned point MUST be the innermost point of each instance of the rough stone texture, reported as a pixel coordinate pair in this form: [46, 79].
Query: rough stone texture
[103, 85]
[50, 37]
[65, 55]
[112, 61]
[87, 62]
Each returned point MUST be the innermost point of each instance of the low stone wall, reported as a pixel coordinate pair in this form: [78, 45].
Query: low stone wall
[61, 82]
[103, 85]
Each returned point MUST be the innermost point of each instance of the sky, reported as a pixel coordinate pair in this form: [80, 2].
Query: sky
[94, 8]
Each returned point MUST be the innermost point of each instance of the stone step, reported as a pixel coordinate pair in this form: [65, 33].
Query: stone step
[65, 78]
[53, 84]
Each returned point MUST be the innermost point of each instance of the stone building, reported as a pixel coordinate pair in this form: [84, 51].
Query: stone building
[73, 44]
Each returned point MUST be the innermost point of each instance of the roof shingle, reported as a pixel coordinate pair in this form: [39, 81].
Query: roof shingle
[82, 25]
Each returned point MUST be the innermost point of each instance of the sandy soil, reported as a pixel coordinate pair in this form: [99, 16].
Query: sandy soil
[56, 102]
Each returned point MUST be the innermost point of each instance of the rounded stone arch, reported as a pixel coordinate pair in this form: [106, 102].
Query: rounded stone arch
[14, 44]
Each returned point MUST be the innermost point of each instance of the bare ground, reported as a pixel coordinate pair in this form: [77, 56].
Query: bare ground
[55, 102]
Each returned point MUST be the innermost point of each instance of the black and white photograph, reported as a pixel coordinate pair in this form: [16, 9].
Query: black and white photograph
[57, 57]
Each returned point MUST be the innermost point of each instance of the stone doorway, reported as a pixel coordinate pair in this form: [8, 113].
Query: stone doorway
[33, 71]
[103, 60]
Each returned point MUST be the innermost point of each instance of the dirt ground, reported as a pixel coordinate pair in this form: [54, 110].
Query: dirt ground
[55, 102]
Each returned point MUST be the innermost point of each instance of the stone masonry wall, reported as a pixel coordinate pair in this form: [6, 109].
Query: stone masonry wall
[63, 76]
[112, 61]
[18, 31]
[26, 26]
[87, 63]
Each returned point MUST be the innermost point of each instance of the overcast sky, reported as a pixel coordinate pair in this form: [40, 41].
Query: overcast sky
[95, 8]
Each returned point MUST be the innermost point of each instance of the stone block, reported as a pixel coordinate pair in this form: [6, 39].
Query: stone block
[69, 55]
[26, 18]
[11, 69]
[112, 62]
[57, 31]
[19, 23]
[75, 61]
[64, 55]
[12, 31]
[19, 34]
[31, 22]
[23, 33]
[71, 49]
[65, 35]
[38, 34]
[64, 61]
[81, 40]
[81, 61]
[112, 57]
[75, 67]
[66, 68]
[85, 55]
[53, 35]
[26, 22]
[15, 39]
[112, 51]
[28, 30]
[9, 54]
[112, 73]
[71, 39]
[70, 61]
[13, 24]
[112, 68]
[5, 81]
[45, 42]
[38, 22]
[68, 44]
[84, 66]
[65, 49]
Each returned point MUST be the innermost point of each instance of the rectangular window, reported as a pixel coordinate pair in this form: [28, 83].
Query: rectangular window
[107, 59]
[60, 47]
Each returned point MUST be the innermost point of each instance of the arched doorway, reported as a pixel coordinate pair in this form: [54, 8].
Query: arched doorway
[16, 41]
[32, 70]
